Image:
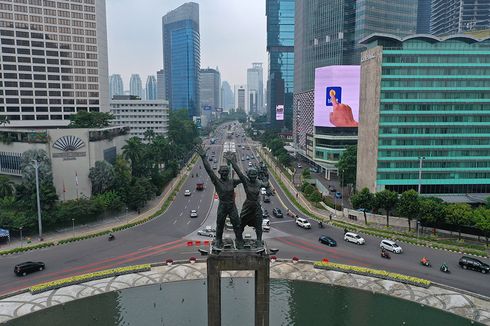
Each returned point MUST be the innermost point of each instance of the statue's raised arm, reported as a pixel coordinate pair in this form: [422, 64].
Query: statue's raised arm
[202, 153]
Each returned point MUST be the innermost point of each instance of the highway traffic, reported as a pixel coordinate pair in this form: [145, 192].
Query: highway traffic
[169, 235]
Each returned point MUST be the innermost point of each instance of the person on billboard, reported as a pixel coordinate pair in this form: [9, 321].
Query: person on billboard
[341, 115]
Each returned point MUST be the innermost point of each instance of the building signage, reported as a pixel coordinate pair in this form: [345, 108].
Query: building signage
[69, 145]
[366, 56]
[279, 112]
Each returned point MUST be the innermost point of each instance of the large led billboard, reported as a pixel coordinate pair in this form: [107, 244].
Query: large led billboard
[337, 91]
[279, 112]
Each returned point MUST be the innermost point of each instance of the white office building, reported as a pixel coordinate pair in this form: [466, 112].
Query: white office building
[241, 97]
[54, 61]
[140, 115]
[255, 89]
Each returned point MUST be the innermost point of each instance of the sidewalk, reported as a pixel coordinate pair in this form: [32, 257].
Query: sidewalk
[106, 224]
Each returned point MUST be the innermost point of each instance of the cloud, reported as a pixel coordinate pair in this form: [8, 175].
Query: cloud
[233, 35]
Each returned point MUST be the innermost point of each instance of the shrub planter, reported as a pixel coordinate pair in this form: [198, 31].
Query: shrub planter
[374, 273]
[87, 277]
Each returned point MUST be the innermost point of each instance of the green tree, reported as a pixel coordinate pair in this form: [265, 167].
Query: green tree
[110, 201]
[315, 196]
[481, 217]
[141, 191]
[364, 200]
[122, 178]
[134, 151]
[306, 174]
[409, 206]
[6, 187]
[84, 119]
[149, 135]
[347, 165]
[309, 189]
[4, 120]
[386, 200]
[458, 215]
[82, 210]
[101, 176]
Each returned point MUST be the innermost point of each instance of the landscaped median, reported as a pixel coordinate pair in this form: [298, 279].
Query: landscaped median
[164, 207]
[88, 277]
[374, 273]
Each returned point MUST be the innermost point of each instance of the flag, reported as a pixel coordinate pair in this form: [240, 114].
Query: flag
[76, 178]
[64, 189]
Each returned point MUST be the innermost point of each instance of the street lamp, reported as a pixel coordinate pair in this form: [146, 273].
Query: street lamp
[21, 241]
[421, 158]
[36, 167]
[73, 226]
[342, 189]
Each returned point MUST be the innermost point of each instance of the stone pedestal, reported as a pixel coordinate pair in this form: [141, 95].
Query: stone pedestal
[239, 260]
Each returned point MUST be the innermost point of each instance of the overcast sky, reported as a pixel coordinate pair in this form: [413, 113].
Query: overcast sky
[233, 35]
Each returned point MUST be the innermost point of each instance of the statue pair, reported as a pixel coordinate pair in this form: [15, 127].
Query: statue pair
[251, 214]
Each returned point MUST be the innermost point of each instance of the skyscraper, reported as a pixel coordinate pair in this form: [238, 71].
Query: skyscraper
[116, 85]
[280, 46]
[210, 88]
[51, 71]
[241, 97]
[397, 17]
[182, 57]
[255, 88]
[324, 35]
[151, 88]
[161, 95]
[423, 16]
[227, 96]
[135, 85]
[459, 16]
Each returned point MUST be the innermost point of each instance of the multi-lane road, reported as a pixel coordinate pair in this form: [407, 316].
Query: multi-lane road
[167, 237]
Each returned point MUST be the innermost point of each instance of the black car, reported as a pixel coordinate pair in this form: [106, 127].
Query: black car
[269, 192]
[328, 241]
[472, 263]
[277, 212]
[266, 199]
[265, 213]
[28, 267]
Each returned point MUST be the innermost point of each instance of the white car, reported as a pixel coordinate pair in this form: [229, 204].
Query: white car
[266, 225]
[263, 191]
[193, 213]
[250, 164]
[354, 238]
[187, 192]
[390, 246]
[302, 222]
[206, 233]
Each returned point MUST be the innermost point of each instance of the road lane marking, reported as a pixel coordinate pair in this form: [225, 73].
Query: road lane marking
[174, 222]
[188, 222]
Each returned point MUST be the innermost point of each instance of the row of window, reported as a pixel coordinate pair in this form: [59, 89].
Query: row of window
[449, 153]
[433, 164]
[441, 58]
[82, 71]
[37, 26]
[434, 107]
[434, 175]
[443, 189]
[450, 94]
[436, 119]
[30, 109]
[434, 131]
[440, 71]
[466, 82]
[51, 45]
[80, 79]
[435, 142]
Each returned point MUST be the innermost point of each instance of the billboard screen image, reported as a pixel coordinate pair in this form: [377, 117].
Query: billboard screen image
[279, 112]
[337, 91]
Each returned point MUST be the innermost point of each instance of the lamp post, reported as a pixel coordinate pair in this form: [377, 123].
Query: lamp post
[342, 190]
[40, 226]
[421, 159]
[21, 240]
[73, 226]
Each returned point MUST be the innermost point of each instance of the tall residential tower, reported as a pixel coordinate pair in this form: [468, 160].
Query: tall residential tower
[182, 57]
[54, 61]
[116, 85]
[459, 16]
[151, 88]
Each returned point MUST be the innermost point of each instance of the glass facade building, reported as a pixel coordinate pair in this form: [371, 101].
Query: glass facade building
[425, 115]
[280, 46]
[459, 16]
[182, 57]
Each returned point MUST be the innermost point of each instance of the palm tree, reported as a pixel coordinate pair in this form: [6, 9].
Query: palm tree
[149, 135]
[133, 151]
[6, 187]
[4, 120]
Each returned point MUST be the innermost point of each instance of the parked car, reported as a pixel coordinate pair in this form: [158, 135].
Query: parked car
[338, 195]
[27, 267]
[215, 167]
[206, 233]
[269, 192]
[277, 212]
[193, 213]
[266, 199]
[187, 192]
[354, 238]
[299, 166]
[472, 263]
[211, 159]
[302, 222]
[391, 246]
[263, 191]
[265, 213]
[327, 241]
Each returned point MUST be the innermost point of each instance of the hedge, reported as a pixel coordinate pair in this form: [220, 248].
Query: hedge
[27, 248]
[88, 277]
[374, 272]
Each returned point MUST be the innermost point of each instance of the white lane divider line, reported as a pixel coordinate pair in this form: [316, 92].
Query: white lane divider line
[188, 222]
[174, 222]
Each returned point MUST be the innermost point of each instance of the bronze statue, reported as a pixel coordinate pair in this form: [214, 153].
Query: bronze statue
[251, 214]
[225, 189]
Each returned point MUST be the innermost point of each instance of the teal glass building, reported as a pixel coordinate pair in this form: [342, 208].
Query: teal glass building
[425, 114]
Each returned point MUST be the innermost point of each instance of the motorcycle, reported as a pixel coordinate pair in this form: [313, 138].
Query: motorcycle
[192, 175]
[111, 237]
[385, 255]
[320, 225]
[425, 262]
[444, 269]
